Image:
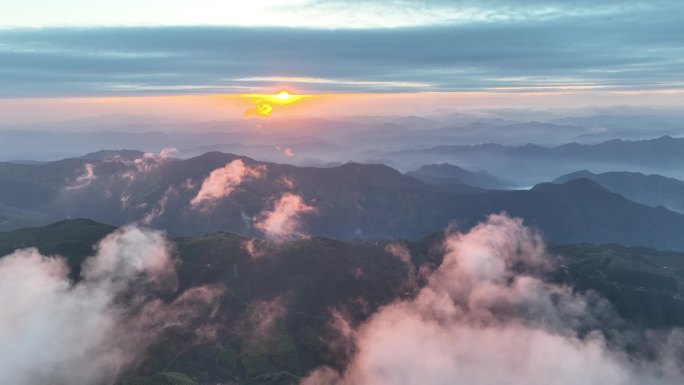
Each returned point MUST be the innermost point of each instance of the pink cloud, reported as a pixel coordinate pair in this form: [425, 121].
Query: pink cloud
[287, 151]
[287, 182]
[160, 208]
[148, 162]
[482, 320]
[222, 181]
[167, 152]
[254, 248]
[284, 220]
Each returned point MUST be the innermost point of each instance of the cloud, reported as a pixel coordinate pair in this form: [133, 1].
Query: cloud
[616, 46]
[487, 316]
[54, 330]
[288, 182]
[144, 164]
[287, 151]
[262, 318]
[167, 152]
[301, 13]
[160, 208]
[254, 248]
[283, 222]
[400, 251]
[85, 179]
[222, 181]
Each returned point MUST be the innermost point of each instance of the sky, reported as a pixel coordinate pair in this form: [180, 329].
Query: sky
[439, 54]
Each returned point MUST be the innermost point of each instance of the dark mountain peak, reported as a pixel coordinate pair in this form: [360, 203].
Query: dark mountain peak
[664, 138]
[570, 146]
[75, 222]
[371, 168]
[441, 169]
[574, 175]
[445, 173]
[371, 171]
[650, 189]
[108, 154]
[220, 235]
[613, 141]
[578, 185]
[488, 145]
[72, 238]
[218, 157]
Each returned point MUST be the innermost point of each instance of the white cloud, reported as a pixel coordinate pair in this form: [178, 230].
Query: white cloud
[84, 179]
[56, 331]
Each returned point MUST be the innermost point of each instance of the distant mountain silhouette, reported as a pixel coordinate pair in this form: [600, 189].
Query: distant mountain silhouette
[441, 174]
[106, 154]
[652, 190]
[532, 163]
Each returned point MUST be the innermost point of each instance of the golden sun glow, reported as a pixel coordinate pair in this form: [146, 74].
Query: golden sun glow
[282, 97]
[263, 103]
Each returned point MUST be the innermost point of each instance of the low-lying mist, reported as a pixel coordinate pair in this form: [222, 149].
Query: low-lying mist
[488, 316]
[57, 331]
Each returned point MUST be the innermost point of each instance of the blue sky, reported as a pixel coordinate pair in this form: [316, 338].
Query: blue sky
[78, 48]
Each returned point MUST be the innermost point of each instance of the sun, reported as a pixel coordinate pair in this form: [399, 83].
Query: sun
[283, 95]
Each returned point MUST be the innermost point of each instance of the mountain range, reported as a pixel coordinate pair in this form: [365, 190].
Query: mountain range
[652, 190]
[344, 202]
[532, 163]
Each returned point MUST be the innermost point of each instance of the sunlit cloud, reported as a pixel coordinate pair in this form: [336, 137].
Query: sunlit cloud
[167, 152]
[283, 222]
[306, 80]
[84, 179]
[554, 45]
[264, 103]
[489, 315]
[261, 108]
[221, 182]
